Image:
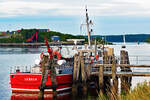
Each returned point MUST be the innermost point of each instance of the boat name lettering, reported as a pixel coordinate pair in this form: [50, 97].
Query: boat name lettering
[30, 79]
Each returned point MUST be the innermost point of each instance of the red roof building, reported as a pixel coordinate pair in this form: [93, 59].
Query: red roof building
[43, 30]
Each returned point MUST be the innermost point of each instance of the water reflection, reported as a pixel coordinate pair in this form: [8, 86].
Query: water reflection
[91, 95]
[26, 50]
[63, 96]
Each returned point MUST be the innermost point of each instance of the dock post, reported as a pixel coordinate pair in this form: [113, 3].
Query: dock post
[47, 65]
[114, 89]
[78, 67]
[106, 79]
[88, 71]
[95, 48]
[83, 75]
[41, 93]
[74, 88]
[125, 81]
[51, 67]
[101, 78]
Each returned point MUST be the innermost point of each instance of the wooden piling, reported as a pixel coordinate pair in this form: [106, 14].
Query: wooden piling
[75, 75]
[114, 91]
[74, 85]
[107, 79]
[88, 71]
[42, 85]
[79, 73]
[125, 81]
[75, 68]
[48, 65]
[51, 67]
[83, 75]
[83, 69]
[101, 78]
[95, 48]
[78, 68]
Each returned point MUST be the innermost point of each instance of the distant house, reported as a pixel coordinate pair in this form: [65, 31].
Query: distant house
[18, 31]
[43, 30]
[3, 33]
[55, 38]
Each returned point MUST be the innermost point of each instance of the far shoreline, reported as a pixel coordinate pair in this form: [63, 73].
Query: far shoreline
[36, 44]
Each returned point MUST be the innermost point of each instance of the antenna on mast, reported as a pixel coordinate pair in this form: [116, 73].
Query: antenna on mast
[124, 41]
[86, 8]
[87, 25]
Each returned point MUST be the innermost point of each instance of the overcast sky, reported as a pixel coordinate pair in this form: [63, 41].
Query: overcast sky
[109, 16]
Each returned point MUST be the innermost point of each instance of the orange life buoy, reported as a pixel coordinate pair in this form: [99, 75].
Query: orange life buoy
[91, 60]
[57, 54]
[41, 55]
[97, 57]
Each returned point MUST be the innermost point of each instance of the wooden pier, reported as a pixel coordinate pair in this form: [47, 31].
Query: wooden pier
[107, 74]
[104, 75]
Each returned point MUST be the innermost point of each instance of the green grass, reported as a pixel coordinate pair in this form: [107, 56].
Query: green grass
[141, 92]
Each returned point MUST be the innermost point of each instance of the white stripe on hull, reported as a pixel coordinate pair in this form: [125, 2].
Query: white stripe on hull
[39, 90]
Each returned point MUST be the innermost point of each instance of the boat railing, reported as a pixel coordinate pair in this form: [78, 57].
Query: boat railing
[141, 61]
[20, 69]
[36, 69]
[137, 59]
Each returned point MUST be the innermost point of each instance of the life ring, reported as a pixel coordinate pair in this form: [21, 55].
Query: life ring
[57, 54]
[41, 55]
[91, 58]
[97, 57]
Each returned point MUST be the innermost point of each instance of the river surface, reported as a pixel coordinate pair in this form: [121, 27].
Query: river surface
[10, 57]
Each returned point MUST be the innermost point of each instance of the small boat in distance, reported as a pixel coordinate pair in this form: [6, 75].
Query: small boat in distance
[124, 42]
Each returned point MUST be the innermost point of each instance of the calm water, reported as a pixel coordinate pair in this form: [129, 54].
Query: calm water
[12, 57]
[9, 57]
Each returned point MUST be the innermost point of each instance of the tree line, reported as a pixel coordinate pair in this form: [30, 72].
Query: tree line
[24, 34]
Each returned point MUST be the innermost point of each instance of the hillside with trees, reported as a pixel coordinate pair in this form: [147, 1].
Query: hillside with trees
[25, 34]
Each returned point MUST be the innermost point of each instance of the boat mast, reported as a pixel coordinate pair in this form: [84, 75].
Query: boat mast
[124, 42]
[124, 39]
[87, 25]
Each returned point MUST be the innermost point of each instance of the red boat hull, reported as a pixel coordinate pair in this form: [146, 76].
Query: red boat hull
[29, 83]
[62, 96]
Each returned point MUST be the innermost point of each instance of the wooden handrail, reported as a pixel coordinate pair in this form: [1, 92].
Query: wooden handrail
[120, 65]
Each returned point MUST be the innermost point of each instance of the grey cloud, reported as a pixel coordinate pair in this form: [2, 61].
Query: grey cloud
[75, 7]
